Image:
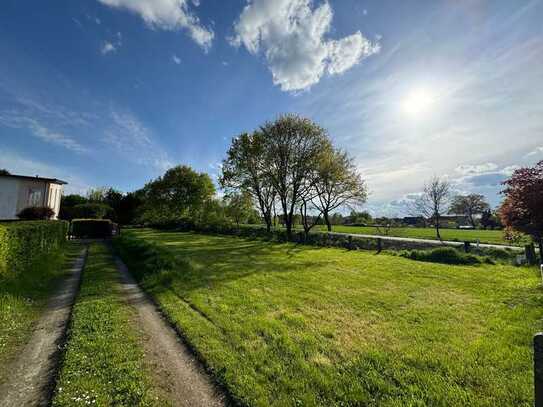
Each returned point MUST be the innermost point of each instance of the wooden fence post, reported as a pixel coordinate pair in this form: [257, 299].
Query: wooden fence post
[379, 245]
[538, 369]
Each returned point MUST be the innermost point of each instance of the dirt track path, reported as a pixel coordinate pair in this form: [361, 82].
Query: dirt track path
[31, 380]
[178, 373]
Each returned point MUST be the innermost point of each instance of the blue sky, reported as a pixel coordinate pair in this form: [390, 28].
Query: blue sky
[113, 92]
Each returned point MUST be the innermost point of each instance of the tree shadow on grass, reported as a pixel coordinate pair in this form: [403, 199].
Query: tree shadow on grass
[209, 261]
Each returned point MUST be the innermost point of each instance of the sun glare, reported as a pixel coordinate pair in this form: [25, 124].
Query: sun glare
[418, 102]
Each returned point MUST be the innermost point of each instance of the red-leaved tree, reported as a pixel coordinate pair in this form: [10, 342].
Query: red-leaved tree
[522, 208]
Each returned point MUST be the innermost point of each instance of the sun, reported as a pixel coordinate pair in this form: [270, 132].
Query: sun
[418, 102]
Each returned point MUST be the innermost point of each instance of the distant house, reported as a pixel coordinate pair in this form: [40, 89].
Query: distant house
[18, 192]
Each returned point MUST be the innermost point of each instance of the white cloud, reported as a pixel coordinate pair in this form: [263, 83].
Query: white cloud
[167, 15]
[476, 169]
[18, 120]
[134, 141]
[290, 34]
[176, 59]
[107, 48]
[537, 151]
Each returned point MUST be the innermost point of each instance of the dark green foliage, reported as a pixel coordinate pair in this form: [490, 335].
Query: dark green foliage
[36, 213]
[92, 211]
[446, 255]
[3, 171]
[91, 228]
[180, 193]
[128, 208]
[67, 204]
[23, 244]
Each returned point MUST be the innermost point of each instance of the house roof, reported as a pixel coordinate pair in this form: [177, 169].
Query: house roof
[36, 178]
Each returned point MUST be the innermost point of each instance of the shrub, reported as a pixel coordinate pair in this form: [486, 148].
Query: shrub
[92, 211]
[36, 213]
[91, 228]
[23, 244]
[446, 255]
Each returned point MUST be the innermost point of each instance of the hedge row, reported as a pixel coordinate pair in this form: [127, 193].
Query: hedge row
[23, 244]
[316, 239]
[91, 228]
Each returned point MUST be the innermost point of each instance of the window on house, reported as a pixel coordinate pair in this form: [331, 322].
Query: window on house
[34, 197]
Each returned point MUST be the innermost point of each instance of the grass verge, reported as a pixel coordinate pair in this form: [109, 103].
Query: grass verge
[103, 360]
[287, 325]
[23, 298]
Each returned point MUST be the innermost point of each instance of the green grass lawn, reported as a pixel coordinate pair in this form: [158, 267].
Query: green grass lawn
[23, 298]
[103, 362]
[484, 236]
[287, 325]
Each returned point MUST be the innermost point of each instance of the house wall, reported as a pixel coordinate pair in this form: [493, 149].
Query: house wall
[9, 193]
[17, 194]
[54, 193]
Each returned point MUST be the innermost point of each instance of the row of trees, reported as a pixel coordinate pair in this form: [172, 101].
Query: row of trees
[289, 169]
[520, 211]
[180, 194]
[290, 164]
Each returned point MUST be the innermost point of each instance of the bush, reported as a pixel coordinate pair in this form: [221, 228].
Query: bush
[92, 211]
[23, 244]
[91, 228]
[446, 255]
[36, 213]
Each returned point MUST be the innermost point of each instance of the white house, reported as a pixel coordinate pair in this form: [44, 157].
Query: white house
[18, 192]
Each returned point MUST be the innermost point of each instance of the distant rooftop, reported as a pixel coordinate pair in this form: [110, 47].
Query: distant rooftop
[36, 178]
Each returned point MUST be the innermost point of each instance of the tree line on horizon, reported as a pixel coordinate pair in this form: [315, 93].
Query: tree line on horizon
[289, 170]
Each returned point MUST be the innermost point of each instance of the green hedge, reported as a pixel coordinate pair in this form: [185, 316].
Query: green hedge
[91, 228]
[23, 244]
[445, 255]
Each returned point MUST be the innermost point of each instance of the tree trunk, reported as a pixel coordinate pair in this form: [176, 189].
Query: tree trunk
[541, 251]
[267, 219]
[327, 220]
[437, 227]
[288, 225]
[472, 221]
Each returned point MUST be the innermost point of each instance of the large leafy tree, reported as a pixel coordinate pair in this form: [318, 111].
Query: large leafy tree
[180, 192]
[293, 146]
[522, 208]
[337, 184]
[244, 169]
[469, 205]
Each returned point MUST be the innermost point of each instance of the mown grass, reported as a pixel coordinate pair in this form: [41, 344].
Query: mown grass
[287, 325]
[23, 298]
[484, 236]
[103, 362]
